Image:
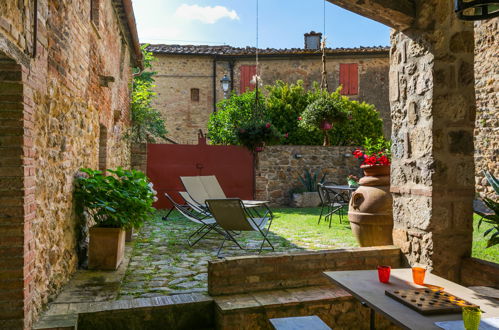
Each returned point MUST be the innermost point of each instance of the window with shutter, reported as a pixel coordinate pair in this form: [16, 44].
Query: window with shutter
[349, 78]
[246, 75]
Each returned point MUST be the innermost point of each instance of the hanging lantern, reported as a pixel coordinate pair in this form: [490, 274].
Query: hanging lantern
[475, 10]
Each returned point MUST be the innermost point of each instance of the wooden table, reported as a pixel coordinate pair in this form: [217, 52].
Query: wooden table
[365, 286]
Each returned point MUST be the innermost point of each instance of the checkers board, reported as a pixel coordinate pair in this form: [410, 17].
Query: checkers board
[428, 301]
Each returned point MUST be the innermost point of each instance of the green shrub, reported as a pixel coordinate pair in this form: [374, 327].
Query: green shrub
[491, 218]
[285, 103]
[121, 200]
[231, 114]
[283, 107]
[256, 133]
[363, 122]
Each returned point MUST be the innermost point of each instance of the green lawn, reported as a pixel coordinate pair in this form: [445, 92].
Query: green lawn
[479, 243]
[299, 226]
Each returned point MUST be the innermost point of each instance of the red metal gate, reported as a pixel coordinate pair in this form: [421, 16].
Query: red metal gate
[232, 165]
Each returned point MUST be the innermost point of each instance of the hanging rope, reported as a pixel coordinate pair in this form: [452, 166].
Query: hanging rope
[257, 97]
[324, 84]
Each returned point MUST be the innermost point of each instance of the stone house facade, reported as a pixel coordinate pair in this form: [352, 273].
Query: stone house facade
[65, 74]
[188, 81]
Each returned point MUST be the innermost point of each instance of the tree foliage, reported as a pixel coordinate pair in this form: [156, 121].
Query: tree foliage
[231, 114]
[147, 123]
[283, 107]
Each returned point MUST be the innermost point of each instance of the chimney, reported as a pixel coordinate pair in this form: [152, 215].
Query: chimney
[313, 40]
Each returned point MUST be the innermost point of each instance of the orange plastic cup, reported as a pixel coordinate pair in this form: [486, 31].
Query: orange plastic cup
[418, 275]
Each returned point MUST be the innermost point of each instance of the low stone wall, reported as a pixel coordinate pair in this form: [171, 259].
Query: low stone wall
[279, 168]
[270, 272]
[476, 272]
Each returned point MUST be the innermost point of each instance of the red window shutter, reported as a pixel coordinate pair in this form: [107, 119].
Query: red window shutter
[349, 78]
[345, 78]
[354, 79]
[246, 75]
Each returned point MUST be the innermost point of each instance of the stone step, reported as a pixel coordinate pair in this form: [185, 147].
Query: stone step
[57, 322]
[184, 311]
[336, 307]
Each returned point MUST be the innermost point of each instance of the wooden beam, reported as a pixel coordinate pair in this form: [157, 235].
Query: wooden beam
[398, 14]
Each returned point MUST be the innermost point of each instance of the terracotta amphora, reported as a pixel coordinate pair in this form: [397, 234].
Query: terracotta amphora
[370, 208]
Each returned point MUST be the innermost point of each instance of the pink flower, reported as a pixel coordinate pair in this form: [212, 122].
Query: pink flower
[300, 118]
[286, 135]
[268, 125]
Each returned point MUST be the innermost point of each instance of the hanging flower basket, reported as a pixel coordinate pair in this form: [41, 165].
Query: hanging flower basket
[254, 135]
[325, 125]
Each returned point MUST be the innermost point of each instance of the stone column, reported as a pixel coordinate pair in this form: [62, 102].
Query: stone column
[433, 110]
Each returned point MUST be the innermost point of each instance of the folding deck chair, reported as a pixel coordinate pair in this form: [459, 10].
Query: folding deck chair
[199, 217]
[231, 215]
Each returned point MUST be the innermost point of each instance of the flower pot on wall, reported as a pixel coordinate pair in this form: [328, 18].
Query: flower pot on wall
[370, 208]
[106, 248]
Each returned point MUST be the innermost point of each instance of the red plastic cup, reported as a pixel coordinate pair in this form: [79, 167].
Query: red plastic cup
[384, 274]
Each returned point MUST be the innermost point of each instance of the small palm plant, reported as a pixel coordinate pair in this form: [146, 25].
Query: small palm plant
[491, 218]
[309, 180]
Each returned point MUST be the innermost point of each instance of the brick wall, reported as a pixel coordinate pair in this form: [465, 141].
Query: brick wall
[177, 74]
[294, 270]
[487, 103]
[139, 157]
[15, 218]
[278, 168]
[50, 129]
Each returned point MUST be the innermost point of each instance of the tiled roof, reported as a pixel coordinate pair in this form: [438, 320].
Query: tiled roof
[235, 51]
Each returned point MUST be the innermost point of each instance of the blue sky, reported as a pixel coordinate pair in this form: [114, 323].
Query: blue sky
[233, 22]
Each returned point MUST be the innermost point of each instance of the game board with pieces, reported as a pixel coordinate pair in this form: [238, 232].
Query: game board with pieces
[427, 301]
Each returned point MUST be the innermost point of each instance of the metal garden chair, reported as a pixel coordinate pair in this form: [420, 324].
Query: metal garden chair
[231, 215]
[204, 219]
[333, 202]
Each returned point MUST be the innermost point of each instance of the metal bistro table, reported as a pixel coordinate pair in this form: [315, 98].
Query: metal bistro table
[342, 189]
[365, 286]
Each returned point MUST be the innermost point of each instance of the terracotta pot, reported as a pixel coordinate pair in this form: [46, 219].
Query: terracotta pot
[370, 208]
[129, 235]
[106, 248]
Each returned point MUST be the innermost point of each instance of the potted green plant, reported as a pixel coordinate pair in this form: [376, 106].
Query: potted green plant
[255, 134]
[306, 195]
[115, 202]
[323, 113]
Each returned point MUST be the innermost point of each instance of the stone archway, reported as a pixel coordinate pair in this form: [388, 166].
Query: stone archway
[432, 100]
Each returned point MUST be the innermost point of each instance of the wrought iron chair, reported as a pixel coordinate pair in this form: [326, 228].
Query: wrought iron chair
[333, 202]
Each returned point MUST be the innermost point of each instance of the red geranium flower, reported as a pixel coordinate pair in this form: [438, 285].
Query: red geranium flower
[300, 118]
[268, 125]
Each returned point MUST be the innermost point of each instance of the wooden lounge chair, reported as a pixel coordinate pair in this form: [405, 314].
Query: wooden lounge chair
[207, 223]
[232, 216]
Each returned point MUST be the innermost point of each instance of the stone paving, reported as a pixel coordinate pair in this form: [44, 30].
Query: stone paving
[163, 263]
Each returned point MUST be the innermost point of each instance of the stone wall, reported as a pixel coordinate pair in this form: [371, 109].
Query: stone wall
[487, 100]
[279, 168]
[178, 74]
[433, 114]
[293, 270]
[476, 272]
[54, 126]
